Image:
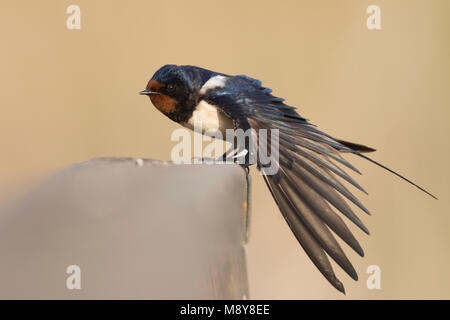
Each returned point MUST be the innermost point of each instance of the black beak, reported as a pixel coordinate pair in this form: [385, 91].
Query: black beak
[147, 92]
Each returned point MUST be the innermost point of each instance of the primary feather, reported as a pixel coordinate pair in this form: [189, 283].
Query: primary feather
[306, 186]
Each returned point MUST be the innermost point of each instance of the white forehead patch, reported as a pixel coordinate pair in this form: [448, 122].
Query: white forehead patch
[214, 82]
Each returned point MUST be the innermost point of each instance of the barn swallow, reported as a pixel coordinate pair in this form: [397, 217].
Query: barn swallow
[306, 187]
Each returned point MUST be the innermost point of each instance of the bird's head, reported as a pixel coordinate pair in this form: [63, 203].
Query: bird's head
[170, 89]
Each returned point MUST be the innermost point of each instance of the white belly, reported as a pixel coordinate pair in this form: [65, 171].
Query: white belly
[210, 119]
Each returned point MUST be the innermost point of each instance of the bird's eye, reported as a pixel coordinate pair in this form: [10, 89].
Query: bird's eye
[170, 87]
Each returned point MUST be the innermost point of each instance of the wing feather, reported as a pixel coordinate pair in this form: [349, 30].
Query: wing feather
[307, 185]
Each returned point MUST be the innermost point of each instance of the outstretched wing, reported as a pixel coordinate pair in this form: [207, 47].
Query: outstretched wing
[306, 187]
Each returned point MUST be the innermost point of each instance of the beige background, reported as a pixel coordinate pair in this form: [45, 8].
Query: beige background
[70, 95]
